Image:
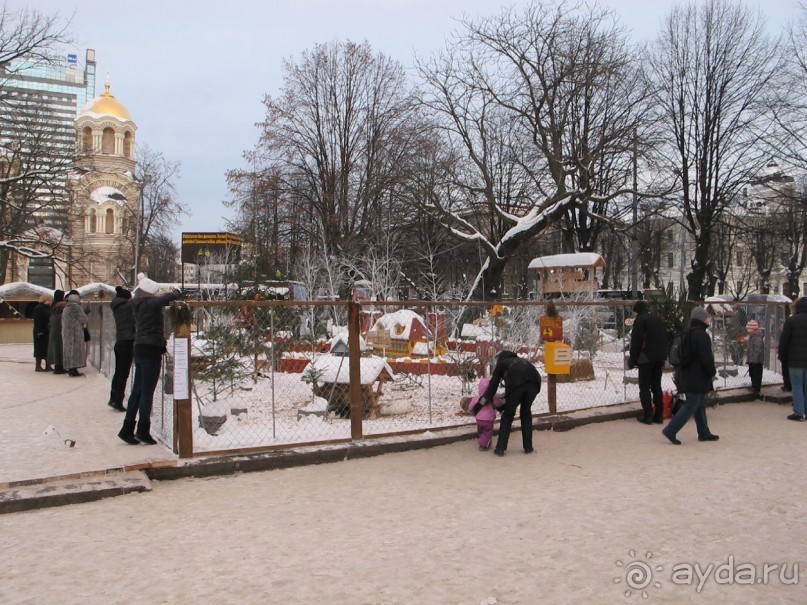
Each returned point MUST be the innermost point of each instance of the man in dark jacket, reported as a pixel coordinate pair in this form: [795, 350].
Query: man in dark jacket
[121, 306]
[522, 383]
[793, 353]
[648, 351]
[697, 378]
[149, 346]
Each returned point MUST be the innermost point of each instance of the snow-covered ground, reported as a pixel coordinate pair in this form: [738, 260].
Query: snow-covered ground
[579, 521]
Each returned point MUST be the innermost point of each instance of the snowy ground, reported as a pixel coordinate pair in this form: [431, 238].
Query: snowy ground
[449, 525]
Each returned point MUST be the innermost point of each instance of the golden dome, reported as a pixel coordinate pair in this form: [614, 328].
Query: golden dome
[107, 105]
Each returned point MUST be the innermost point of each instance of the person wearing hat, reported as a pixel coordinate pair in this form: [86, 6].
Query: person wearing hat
[697, 378]
[149, 346]
[121, 306]
[755, 344]
[55, 332]
[648, 352]
[793, 353]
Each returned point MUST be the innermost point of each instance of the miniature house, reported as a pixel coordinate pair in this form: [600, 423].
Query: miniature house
[566, 274]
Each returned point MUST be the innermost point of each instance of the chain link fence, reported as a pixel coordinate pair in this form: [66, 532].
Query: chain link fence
[274, 374]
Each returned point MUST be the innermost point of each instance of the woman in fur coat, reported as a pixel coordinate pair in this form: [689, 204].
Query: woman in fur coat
[74, 325]
[55, 332]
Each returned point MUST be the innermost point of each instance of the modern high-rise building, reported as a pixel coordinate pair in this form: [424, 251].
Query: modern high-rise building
[53, 92]
[39, 104]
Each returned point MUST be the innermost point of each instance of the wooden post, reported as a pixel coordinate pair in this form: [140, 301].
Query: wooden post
[183, 417]
[551, 393]
[354, 357]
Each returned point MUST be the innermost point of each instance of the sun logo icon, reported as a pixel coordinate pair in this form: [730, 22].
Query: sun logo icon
[638, 574]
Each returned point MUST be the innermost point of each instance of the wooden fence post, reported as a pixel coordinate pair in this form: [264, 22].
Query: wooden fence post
[183, 417]
[354, 357]
[551, 393]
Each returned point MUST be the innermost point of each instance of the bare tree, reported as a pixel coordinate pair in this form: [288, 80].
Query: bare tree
[32, 35]
[339, 131]
[158, 211]
[33, 197]
[540, 109]
[713, 67]
[264, 218]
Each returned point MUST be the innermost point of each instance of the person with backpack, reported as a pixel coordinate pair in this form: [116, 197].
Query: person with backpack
[697, 371]
[648, 351]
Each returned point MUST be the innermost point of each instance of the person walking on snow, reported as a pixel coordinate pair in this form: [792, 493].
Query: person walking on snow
[149, 346]
[648, 351]
[522, 383]
[698, 369]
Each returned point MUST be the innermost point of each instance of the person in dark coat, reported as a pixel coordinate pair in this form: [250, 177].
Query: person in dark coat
[41, 334]
[121, 306]
[149, 346]
[793, 353]
[648, 351]
[697, 377]
[55, 332]
[522, 383]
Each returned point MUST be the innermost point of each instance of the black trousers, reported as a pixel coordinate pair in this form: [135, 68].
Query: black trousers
[522, 396]
[755, 372]
[124, 351]
[650, 393]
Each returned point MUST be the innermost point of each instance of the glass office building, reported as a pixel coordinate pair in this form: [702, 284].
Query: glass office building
[38, 106]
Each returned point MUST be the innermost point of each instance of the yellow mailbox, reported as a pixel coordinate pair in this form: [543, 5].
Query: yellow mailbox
[557, 358]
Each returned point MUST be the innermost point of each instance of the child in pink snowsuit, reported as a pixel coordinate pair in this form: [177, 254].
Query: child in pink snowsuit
[485, 415]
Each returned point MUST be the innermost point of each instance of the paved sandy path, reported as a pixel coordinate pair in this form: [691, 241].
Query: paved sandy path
[442, 526]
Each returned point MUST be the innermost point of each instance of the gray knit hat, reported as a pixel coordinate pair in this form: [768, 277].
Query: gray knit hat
[701, 314]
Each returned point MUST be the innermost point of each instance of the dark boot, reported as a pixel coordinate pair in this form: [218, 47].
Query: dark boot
[143, 432]
[58, 369]
[74, 372]
[116, 401]
[127, 432]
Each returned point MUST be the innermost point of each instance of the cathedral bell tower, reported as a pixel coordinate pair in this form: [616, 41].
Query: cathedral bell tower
[105, 196]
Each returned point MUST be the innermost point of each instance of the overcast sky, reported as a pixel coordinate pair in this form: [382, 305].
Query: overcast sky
[193, 72]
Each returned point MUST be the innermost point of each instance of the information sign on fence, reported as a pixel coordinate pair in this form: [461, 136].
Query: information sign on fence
[551, 328]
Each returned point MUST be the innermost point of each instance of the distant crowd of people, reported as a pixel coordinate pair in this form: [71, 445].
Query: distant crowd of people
[60, 334]
[60, 346]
